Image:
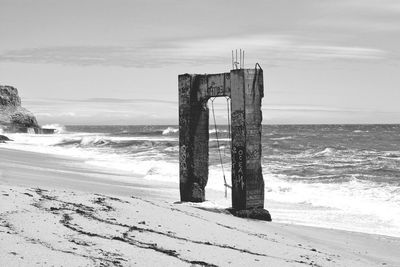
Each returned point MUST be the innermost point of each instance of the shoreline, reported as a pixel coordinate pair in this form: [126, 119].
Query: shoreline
[27, 210]
[282, 211]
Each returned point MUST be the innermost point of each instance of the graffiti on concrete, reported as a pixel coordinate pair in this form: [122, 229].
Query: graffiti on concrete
[194, 92]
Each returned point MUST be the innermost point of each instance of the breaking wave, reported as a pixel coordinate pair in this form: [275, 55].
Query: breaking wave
[329, 151]
[57, 127]
[170, 130]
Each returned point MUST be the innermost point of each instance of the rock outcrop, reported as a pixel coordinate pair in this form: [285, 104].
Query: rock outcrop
[4, 139]
[13, 117]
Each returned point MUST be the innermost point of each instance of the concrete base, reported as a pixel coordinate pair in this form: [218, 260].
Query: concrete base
[256, 213]
[198, 193]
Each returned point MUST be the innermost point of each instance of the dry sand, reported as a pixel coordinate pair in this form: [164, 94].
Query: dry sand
[59, 212]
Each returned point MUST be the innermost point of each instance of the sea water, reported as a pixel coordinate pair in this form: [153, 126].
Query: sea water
[335, 176]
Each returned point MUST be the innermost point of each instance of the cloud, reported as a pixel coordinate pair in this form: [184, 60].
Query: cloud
[123, 100]
[379, 19]
[390, 7]
[99, 100]
[268, 48]
[280, 47]
[58, 114]
[307, 108]
[103, 110]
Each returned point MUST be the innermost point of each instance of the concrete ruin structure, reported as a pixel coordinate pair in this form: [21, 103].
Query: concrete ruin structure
[245, 89]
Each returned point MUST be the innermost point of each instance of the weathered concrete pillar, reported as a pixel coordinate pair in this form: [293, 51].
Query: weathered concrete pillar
[200, 135]
[245, 88]
[185, 145]
[194, 92]
[247, 179]
[193, 137]
[254, 91]
[238, 140]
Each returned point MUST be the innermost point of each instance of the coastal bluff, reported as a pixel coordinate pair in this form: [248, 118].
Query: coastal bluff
[13, 117]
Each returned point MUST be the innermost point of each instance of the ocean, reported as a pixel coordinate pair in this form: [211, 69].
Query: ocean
[334, 176]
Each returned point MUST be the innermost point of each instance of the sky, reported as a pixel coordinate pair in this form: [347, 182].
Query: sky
[118, 61]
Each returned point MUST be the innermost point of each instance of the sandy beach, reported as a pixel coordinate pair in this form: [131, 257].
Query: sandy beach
[57, 211]
[199, 133]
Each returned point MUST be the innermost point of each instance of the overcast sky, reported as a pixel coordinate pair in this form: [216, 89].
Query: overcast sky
[117, 61]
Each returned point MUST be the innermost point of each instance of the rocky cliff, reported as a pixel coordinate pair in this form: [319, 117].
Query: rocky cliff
[13, 116]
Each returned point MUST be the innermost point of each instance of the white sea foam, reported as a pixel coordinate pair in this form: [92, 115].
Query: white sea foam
[212, 131]
[90, 140]
[102, 140]
[170, 130]
[354, 205]
[392, 154]
[57, 127]
[282, 138]
[326, 152]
